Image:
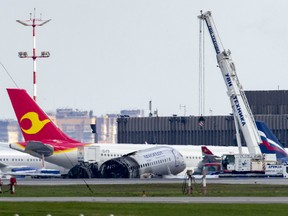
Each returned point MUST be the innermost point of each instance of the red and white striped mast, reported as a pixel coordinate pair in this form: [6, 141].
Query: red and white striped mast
[44, 54]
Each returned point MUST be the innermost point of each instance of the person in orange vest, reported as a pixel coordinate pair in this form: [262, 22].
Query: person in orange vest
[13, 182]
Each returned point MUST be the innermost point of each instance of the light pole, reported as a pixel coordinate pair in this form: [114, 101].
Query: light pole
[44, 54]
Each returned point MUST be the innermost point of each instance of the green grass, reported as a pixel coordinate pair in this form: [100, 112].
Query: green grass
[106, 209]
[154, 190]
[139, 209]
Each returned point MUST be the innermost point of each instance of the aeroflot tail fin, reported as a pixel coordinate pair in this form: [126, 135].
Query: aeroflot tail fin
[270, 143]
[33, 121]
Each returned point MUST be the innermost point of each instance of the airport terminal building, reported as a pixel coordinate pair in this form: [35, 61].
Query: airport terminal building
[268, 106]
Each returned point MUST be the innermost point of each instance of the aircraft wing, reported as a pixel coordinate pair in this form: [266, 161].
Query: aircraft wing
[39, 148]
[2, 165]
[33, 172]
[24, 174]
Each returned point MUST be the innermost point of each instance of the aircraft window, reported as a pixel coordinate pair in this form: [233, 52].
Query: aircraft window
[12, 159]
[0, 159]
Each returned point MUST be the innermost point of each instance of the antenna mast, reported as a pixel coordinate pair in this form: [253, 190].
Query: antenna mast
[44, 54]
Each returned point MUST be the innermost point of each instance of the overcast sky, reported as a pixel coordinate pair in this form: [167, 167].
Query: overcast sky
[120, 54]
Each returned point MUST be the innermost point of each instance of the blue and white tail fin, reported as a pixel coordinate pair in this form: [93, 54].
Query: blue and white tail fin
[270, 144]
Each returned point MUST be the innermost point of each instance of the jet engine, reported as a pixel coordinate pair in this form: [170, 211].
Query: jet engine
[121, 167]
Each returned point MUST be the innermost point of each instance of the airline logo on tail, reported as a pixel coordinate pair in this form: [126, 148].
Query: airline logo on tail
[34, 122]
[206, 151]
[270, 143]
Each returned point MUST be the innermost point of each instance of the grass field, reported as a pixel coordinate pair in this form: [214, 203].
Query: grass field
[159, 190]
[156, 190]
[107, 209]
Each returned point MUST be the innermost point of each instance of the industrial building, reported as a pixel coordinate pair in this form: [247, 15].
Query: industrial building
[268, 106]
[76, 124]
[9, 131]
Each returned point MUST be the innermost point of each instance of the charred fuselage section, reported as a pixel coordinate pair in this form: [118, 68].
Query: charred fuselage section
[121, 167]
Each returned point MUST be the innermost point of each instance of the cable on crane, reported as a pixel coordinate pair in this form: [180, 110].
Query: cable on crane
[9, 74]
[201, 69]
[201, 119]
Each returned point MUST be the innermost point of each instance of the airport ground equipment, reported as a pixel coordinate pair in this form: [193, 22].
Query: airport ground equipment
[13, 182]
[244, 119]
[255, 161]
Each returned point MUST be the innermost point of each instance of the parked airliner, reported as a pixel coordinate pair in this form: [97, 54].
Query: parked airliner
[44, 138]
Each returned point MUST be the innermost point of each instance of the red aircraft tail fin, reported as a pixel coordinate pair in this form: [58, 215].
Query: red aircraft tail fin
[206, 151]
[33, 121]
